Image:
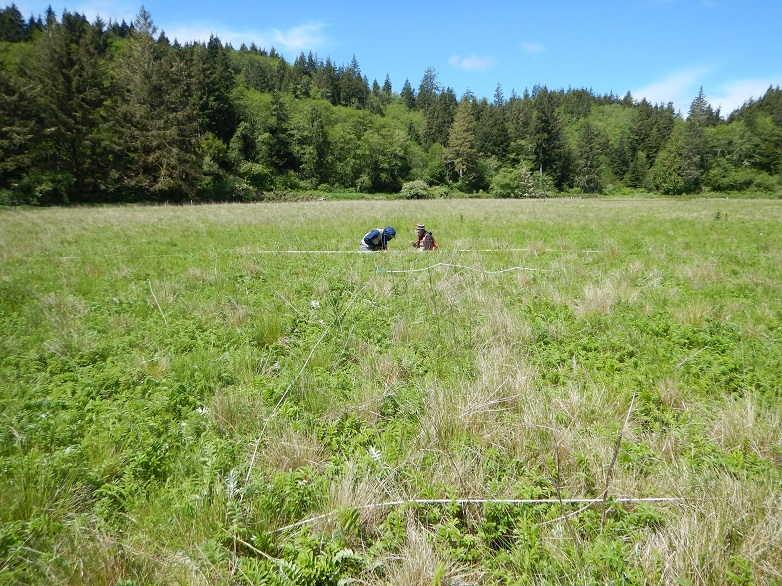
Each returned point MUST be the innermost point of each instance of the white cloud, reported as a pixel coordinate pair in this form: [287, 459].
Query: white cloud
[115, 10]
[532, 48]
[197, 33]
[291, 42]
[732, 96]
[682, 88]
[679, 88]
[307, 37]
[472, 62]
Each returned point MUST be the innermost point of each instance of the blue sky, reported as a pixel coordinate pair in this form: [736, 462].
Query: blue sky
[663, 50]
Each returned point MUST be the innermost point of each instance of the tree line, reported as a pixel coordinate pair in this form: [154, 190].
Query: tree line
[107, 112]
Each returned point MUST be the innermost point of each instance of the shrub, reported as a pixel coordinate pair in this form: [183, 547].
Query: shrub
[213, 149]
[517, 182]
[227, 188]
[726, 178]
[415, 190]
[288, 181]
[364, 184]
[765, 183]
[10, 197]
[438, 191]
[259, 176]
[45, 188]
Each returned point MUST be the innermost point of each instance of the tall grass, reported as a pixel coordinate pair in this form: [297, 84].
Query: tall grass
[232, 394]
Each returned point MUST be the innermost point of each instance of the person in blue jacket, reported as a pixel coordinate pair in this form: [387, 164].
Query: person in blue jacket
[377, 239]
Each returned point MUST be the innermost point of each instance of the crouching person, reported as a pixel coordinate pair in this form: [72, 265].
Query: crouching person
[424, 240]
[377, 239]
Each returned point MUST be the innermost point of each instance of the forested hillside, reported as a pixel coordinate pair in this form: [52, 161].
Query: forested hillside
[103, 112]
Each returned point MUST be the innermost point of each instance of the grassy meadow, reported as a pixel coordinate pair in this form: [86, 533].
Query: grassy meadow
[567, 392]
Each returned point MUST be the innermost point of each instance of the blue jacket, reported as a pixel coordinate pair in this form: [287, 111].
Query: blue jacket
[377, 240]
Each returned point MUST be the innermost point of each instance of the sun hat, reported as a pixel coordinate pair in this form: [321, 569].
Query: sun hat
[420, 227]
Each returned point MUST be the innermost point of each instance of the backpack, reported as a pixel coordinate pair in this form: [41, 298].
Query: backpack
[374, 238]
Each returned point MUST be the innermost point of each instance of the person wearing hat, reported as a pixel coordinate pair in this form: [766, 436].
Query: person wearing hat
[377, 239]
[424, 240]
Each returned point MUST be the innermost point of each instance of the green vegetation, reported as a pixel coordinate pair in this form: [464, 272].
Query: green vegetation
[111, 112]
[182, 401]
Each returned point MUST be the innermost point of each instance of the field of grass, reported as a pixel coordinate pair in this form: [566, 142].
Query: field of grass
[568, 392]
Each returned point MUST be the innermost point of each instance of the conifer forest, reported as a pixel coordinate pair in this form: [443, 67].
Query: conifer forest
[115, 112]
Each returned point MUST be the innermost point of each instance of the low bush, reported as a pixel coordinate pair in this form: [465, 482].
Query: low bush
[416, 190]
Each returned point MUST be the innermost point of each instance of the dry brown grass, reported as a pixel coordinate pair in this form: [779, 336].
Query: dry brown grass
[358, 487]
[702, 273]
[420, 564]
[724, 515]
[64, 313]
[748, 424]
[478, 406]
[292, 449]
[600, 299]
[237, 410]
[693, 314]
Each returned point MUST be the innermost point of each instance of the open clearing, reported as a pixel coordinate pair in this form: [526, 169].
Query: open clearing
[568, 391]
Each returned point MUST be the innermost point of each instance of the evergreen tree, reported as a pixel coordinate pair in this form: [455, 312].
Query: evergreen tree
[621, 156]
[461, 153]
[499, 97]
[493, 137]
[12, 25]
[70, 78]
[577, 104]
[258, 72]
[428, 90]
[520, 116]
[34, 25]
[412, 132]
[156, 120]
[163, 41]
[589, 175]
[652, 128]
[278, 138]
[637, 171]
[214, 82]
[693, 158]
[313, 143]
[302, 77]
[438, 118]
[550, 146]
[243, 146]
[326, 80]
[353, 87]
[18, 128]
[667, 169]
[407, 95]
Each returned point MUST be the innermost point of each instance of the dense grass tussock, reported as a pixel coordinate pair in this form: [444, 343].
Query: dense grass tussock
[233, 395]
